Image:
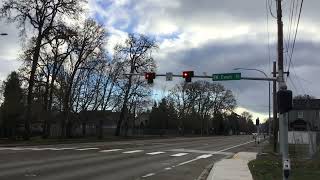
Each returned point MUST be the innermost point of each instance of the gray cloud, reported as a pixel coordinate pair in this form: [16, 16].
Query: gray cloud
[10, 47]
[223, 57]
[214, 56]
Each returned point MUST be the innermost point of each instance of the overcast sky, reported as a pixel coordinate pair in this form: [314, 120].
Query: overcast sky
[210, 36]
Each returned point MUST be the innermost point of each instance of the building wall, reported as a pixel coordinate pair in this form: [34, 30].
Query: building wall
[312, 117]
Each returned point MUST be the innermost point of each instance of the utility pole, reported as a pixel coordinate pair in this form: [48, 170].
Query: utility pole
[275, 113]
[270, 125]
[283, 118]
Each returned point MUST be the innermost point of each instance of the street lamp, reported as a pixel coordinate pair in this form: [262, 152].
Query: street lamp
[252, 69]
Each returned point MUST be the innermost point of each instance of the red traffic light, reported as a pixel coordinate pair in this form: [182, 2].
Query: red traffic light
[150, 77]
[187, 75]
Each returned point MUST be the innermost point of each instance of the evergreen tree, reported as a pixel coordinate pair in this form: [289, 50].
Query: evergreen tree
[13, 105]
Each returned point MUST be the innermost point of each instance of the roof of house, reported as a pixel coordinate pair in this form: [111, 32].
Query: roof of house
[306, 104]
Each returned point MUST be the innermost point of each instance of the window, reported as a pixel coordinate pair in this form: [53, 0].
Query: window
[300, 114]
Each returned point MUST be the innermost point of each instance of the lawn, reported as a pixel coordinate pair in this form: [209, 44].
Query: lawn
[269, 167]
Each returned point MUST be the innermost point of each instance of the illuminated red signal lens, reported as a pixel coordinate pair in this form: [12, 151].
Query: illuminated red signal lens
[187, 75]
[150, 77]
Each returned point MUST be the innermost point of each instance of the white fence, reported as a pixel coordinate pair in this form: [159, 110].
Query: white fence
[304, 143]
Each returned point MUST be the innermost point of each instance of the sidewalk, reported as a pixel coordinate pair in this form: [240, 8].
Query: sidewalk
[235, 168]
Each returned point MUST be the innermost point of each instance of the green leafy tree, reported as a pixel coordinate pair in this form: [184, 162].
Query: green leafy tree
[13, 105]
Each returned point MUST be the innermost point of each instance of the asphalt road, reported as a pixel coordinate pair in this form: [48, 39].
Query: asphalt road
[159, 159]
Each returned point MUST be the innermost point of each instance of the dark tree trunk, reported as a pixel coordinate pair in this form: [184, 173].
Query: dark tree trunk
[100, 129]
[45, 132]
[124, 106]
[84, 127]
[35, 59]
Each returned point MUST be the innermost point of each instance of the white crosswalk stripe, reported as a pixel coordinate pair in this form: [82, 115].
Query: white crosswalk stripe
[110, 150]
[85, 149]
[152, 153]
[15, 149]
[35, 149]
[179, 154]
[71, 148]
[130, 152]
[155, 153]
[52, 149]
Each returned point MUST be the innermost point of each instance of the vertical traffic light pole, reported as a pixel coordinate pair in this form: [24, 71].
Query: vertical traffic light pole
[275, 114]
[283, 120]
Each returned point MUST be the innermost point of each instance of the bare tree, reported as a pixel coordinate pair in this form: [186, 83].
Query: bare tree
[42, 17]
[88, 48]
[203, 99]
[135, 57]
[246, 115]
[304, 97]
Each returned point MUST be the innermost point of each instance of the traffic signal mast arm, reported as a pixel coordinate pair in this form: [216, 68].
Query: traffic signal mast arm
[210, 77]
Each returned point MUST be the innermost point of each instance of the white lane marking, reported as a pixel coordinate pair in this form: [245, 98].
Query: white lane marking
[168, 168]
[16, 149]
[186, 162]
[85, 149]
[148, 175]
[179, 154]
[204, 156]
[110, 150]
[235, 146]
[197, 158]
[54, 149]
[34, 149]
[155, 153]
[200, 151]
[130, 152]
[42, 149]
[71, 148]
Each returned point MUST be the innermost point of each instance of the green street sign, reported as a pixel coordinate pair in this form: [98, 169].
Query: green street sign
[226, 76]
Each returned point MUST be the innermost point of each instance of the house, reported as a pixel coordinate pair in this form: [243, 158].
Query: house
[90, 120]
[305, 115]
[86, 123]
[142, 120]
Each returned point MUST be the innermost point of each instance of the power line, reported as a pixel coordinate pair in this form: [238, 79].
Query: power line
[295, 36]
[290, 17]
[269, 51]
[292, 10]
[294, 86]
[298, 80]
[270, 9]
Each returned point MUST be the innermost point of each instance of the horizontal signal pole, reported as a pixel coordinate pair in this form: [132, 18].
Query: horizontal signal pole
[210, 77]
[259, 79]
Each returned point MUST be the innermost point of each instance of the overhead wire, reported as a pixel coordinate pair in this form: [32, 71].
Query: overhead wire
[298, 80]
[289, 30]
[291, 11]
[295, 36]
[269, 51]
[270, 9]
[293, 85]
[290, 64]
